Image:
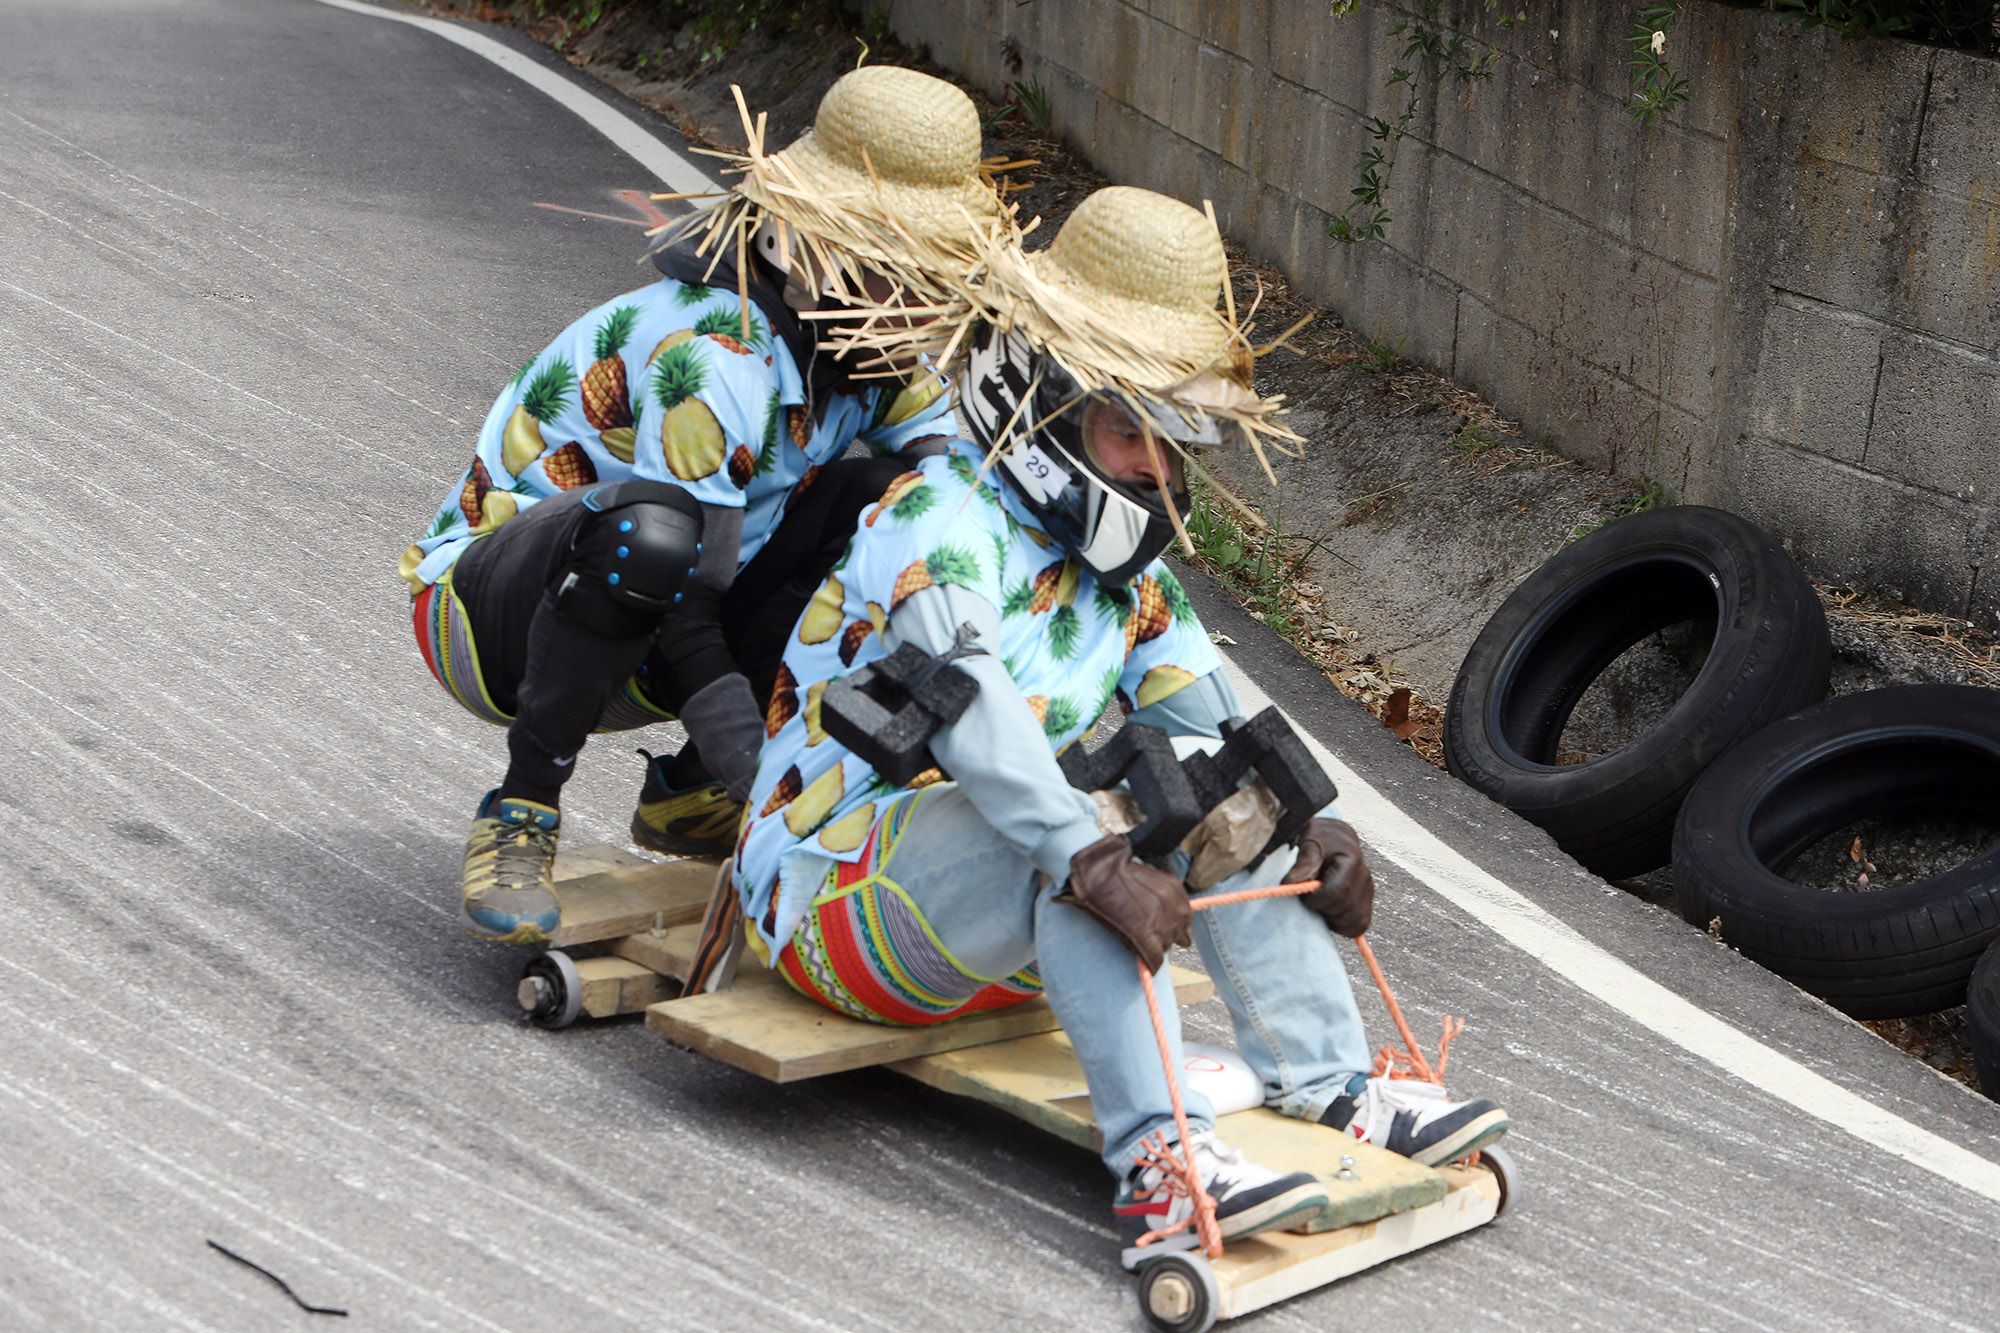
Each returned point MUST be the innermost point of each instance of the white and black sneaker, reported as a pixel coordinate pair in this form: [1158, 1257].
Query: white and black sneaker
[1414, 1118]
[1248, 1198]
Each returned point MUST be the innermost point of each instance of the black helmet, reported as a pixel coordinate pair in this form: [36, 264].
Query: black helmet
[1022, 405]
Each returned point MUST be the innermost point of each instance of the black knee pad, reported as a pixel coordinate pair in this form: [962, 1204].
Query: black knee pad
[634, 551]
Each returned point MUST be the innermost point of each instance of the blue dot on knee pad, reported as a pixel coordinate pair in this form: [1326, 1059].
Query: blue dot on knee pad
[624, 551]
[614, 580]
[625, 525]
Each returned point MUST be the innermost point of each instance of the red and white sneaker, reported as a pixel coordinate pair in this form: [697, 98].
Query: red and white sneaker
[1414, 1118]
[1248, 1198]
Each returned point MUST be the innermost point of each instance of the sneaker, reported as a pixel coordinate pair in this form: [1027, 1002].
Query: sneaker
[1414, 1118]
[698, 821]
[510, 857]
[1248, 1198]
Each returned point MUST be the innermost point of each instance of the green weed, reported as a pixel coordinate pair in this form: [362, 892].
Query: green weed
[1474, 441]
[1256, 564]
[1647, 494]
[1033, 99]
[1384, 354]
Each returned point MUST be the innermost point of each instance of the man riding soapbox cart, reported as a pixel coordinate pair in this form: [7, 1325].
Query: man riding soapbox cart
[1401, 1169]
[927, 885]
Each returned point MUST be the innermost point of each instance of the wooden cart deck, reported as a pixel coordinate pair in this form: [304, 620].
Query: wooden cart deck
[646, 916]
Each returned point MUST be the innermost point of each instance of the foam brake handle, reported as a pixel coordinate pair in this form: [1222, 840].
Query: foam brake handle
[1142, 758]
[1264, 747]
[888, 711]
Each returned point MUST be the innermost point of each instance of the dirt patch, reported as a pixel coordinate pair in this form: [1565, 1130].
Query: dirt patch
[1881, 853]
[1411, 511]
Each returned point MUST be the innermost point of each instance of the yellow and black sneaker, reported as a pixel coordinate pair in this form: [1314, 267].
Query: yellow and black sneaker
[510, 858]
[696, 821]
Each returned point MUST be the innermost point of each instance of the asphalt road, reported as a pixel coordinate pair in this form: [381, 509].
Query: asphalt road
[262, 268]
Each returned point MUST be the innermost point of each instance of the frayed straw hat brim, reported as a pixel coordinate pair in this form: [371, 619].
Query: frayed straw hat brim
[890, 175]
[1125, 300]
[877, 217]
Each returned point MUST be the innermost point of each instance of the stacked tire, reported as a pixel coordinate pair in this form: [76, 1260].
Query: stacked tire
[1982, 1020]
[1887, 953]
[1577, 614]
[1748, 769]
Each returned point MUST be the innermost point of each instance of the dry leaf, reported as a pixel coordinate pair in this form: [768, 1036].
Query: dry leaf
[1854, 852]
[1397, 710]
[1715, 927]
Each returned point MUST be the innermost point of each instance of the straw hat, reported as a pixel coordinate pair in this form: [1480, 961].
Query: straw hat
[889, 176]
[1132, 297]
[1149, 269]
[892, 155]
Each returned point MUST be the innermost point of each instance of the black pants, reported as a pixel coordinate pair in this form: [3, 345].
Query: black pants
[770, 593]
[556, 677]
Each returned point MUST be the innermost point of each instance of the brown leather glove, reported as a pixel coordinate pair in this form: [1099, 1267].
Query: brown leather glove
[1330, 852]
[1144, 906]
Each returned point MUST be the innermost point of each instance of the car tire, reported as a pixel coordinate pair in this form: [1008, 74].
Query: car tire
[1982, 1020]
[1574, 616]
[1886, 953]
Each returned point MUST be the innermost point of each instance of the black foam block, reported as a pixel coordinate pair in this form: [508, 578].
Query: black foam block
[1265, 747]
[1142, 758]
[888, 711]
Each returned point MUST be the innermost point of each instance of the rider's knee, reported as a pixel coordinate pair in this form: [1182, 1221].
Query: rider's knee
[634, 552]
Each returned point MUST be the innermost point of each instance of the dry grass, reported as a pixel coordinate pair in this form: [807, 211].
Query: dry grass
[1962, 645]
[1266, 581]
[1369, 680]
[1939, 1040]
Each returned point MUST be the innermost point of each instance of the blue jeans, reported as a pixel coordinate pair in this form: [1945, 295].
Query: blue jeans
[1273, 961]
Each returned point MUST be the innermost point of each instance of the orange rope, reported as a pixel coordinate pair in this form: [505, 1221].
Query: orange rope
[1292, 890]
[1179, 1172]
[1412, 1054]
[1183, 1167]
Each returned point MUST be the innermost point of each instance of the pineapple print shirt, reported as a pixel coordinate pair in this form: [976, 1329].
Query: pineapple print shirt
[662, 384]
[941, 548]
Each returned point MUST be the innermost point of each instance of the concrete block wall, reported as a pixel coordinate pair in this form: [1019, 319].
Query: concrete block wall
[1783, 299]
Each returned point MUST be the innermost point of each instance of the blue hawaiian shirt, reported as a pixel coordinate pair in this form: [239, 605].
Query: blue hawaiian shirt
[1069, 645]
[664, 384]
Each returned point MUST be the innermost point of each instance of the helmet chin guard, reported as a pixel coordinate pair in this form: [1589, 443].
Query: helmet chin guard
[1022, 405]
[772, 245]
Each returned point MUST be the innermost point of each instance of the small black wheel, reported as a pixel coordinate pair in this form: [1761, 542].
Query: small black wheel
[1179, 1294]
[1507, 1171]
[551, 990]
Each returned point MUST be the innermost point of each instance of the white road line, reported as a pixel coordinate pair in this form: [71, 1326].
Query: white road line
[626, 134]
[1400, 838]
[1560, 948]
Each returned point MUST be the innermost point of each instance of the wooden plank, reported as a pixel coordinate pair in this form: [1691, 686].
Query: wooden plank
[1262, 1270]
[1038, 1079]
[590, 857]
[611, 903]
[667, 953]
[762, 1025]
[613, 986]
[1035, 1078]
[1383, 1182]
